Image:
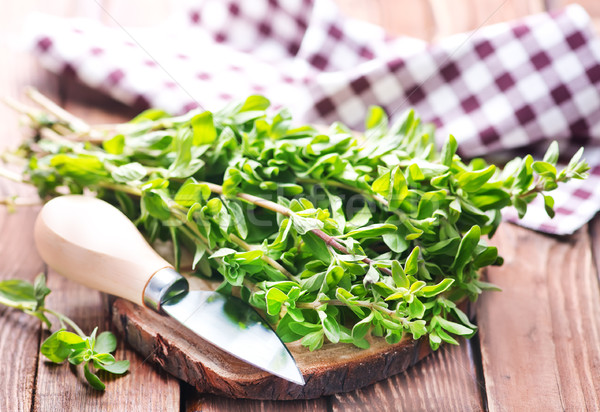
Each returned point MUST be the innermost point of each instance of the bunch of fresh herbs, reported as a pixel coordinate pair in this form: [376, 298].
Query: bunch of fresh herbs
[334, 236]
[63, 345]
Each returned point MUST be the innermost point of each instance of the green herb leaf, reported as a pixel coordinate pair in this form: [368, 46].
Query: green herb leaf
[58, 346]
[106, 342]
[332, 234]
[118, 367]
[453, 327]
[130, 172]
[16, 292]
[466, 248]
[92, 379]
[115, 144]
[203, 128]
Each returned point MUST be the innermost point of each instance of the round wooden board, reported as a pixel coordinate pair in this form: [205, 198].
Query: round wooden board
[331, 369]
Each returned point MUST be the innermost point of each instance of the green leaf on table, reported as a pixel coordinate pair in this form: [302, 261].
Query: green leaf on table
[106, 342]
[345, 236]
[118, 367]
[101, 359]
[17, 292]
[92, 379]
[40, 290]
[58, 346]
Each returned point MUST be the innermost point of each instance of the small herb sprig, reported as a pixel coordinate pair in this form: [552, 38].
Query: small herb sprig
[77, 348]
[335, 236]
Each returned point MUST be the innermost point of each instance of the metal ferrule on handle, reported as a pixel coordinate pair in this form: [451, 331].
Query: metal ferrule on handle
[164, 285]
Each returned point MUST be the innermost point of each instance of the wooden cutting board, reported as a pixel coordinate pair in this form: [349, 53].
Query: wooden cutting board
[332, 369]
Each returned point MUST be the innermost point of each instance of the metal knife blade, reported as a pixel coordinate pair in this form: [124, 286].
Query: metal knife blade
[230, 324]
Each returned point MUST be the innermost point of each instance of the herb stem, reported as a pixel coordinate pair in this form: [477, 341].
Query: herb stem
[178, 214]
[75, 123]
[22, 109]
[19, 201]
[377, 198]
[336, 302]
[15, 177]
[374, 196]
[65, 319]
[275, 207]
[121, 188]
[272, 262]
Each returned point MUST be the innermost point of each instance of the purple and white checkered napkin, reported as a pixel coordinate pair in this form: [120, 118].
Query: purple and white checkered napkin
[499, 88]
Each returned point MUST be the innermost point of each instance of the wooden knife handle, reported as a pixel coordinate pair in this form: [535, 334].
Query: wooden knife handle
[91, 242]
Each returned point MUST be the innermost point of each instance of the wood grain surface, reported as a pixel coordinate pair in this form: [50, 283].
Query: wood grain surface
[539, 336]
[538, 343]
[58, 388]
[333, 369]
[445, 381]
[18, 332]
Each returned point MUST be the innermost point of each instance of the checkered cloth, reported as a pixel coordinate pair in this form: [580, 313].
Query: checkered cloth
[499, 88]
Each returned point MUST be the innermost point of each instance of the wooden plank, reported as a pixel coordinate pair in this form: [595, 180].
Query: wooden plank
[595, 235]
[590, 6]
[539, 336]
[398, 17]
[446, 380]
[332, 369]
[138, 12]
[211, 403]
[62, 388]
[145, 388]
[18, 332]
[460, 16]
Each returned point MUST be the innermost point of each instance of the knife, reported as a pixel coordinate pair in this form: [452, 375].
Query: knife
[91, 242]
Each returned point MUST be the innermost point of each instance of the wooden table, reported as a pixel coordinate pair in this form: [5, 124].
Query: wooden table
[538, 345]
